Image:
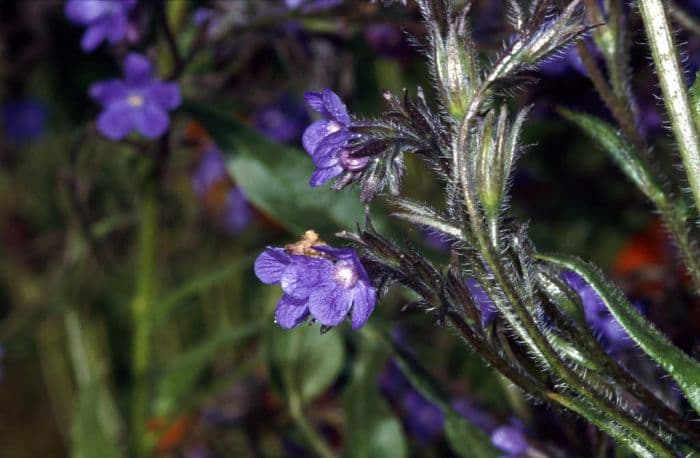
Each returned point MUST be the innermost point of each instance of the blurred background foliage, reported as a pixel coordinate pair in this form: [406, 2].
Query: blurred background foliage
[222, 380]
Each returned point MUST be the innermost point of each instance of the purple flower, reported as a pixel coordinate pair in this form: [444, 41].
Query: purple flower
[385, 38]
[327, 286]
[483, 301]
[104, 19]
[281, 122]
[327, 140]
[308, 6]
[471, 412]
[23, 120]
[597, 315]
[212, 184]
[560, 64]
[510, 439]
[137, 103]
[424, 419]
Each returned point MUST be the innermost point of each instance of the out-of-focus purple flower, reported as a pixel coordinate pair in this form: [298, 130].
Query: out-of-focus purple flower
[510, 439]
[327, 140]
[385, 38]
[104, 19]
[328, 286]
[23, 120]
[424, 420]
[137, 103]
[197, 451]
[437, 240]
[308, 6]
[281, 122]
[201, 15]
[212, 184]
[473, 414]
[597, 315]
[483, 301]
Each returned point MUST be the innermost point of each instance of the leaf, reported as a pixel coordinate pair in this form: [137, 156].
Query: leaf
[275, 178]
[163, 308]
[684, 369]
[89, 437]
[185, 370]
[372, 430]
[621, 151]
[304, 361]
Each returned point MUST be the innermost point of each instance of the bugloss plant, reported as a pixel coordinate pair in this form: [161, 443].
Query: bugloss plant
[558, 319]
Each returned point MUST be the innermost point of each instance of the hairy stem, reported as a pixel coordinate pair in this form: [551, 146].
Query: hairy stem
[673, 87]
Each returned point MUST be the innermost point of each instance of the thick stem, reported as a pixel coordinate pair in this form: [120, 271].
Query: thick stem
[673, 87]
[140, 309]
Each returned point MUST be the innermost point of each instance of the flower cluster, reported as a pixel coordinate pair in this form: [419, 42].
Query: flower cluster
[317, 280]
[327, 140]
[104, 19]
[139, 102]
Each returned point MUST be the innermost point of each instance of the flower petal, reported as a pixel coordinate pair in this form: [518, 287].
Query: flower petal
[364, 300]
[107, 92]
[291, 312]
[313, 135]
[328, 149]
[137, 69]
[93, 36]
[335, 107]
[321, 175]
[315, 101]
[151, 120]
[116, 121]
[85, 11]
[167, 95]
[330, 304]
[304, 274]
[117, 25]
[270, 265]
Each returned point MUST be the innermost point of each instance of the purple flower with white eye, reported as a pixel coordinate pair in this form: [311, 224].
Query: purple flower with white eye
[137, 103]
[597, 314]
[23, 120]
[510, 439]
[327, 140]
[104, 19]
[328, 286]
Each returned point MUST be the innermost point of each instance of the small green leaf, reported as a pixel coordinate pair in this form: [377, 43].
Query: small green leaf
[185, 370]
[303, 361]
[694, 95]
[275, 178]
[621, 151]
[684, 369]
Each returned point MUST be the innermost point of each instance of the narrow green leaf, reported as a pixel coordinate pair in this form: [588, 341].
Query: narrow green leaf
[694, 96]
[275, 178]
[183, 373]
[684, 369]
[89, 437]
[621, 151]
[303, 361]
[163, 308]
[372, 430]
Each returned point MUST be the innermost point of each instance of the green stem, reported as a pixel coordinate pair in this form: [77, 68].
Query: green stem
[140, 309]
[673, 87]
[310, 434]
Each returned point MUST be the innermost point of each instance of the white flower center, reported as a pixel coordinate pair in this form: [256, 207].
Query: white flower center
[135, 100]
[346, 275]
[333, 126]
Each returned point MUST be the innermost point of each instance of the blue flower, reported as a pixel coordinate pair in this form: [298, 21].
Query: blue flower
[510, 439]
[137, 103]
[323, 282]
[326, 140]
[23, 120]
[597, 314]
[482, 301]
[104, 19]
[282, 121]
[308, 6]
[424, 419]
